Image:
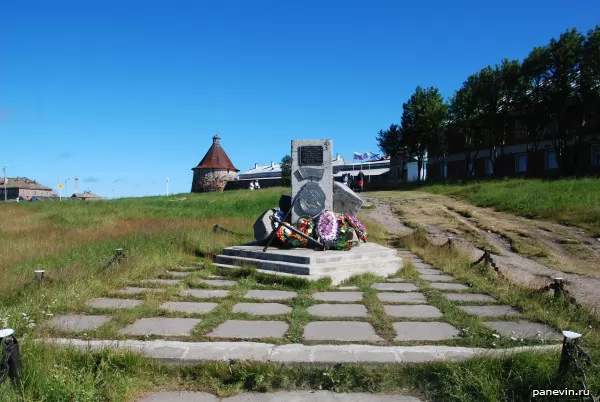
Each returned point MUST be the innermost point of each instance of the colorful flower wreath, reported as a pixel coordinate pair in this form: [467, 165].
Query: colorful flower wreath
[287, 238]
[355, 224]
[327, 227]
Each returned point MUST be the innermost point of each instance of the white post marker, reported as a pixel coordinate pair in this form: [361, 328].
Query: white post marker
[167, 186]
[60, 186]
[6, 332]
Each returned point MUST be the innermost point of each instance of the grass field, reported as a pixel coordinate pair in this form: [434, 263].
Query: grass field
[573, 202]
[74, 240]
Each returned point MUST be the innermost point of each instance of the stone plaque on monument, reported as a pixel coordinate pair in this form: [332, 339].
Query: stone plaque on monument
[312, 177]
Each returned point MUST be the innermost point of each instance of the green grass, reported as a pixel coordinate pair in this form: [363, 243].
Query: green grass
[573, 202]
[74, 241]
[115, 376]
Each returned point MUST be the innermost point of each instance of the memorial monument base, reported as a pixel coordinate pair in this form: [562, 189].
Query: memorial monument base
[311, 264]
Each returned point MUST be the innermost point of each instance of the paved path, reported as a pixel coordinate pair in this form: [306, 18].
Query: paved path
[196, 352]
[287, 396]
[336, 315]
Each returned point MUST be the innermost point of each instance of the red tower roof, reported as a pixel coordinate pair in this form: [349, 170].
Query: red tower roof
[216, 158]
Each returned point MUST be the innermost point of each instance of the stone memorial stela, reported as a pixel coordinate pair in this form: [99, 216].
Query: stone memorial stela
[312, 177]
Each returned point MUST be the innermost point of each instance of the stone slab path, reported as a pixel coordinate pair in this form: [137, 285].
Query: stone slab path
[340, 315]
[287, 396]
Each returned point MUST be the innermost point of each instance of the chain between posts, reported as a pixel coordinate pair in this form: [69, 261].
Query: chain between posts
[487, 260]
[222, 229]
[116, 258]
[573, 355]
[10, 365]
[559, 289]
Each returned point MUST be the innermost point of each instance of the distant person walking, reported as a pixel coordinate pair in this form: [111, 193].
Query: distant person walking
[361, 181]
[345, 179]
[256, 185]
[251, 185]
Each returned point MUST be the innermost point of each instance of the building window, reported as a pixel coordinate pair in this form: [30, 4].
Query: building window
[596, 155]
[551, 162]
[520, 129]
[520, 163]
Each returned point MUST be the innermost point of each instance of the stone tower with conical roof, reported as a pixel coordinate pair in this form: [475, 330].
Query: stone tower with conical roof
[214, 170]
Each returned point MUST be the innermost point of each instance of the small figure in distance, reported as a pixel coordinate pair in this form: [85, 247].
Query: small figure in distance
[251, 185]
[256, 185]
[361, 181]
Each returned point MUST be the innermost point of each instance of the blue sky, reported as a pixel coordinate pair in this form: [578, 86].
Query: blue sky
[126, 93]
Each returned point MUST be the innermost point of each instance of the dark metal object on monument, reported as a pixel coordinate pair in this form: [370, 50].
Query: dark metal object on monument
[285, 203]
[312, 199]
[10, 360]
[310, 155]
[285, 219]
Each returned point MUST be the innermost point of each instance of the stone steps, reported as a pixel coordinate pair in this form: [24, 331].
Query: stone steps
[336, 276]
[314, 264]
[264, 271]
[306, 269]
[363, 252]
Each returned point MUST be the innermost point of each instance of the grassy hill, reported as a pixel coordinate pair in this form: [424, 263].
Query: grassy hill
[569, 201]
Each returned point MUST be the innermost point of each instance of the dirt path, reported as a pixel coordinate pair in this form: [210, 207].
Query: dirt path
[526, 250]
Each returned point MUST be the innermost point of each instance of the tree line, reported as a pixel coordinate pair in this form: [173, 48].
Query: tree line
[555, 91]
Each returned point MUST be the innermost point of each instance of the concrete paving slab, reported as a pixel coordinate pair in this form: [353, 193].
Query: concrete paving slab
[409, 297]
[178, 274]
[490, 311]
[416, 311]
[161, 326]
[396, 287]
[448, 286]
[270, 294]
[424, 331]
[338, 296]
[245, 329]
[104, 302]
[318, 396]
[189, 307]
[180, 396]
[393, 280]
[421, 264]
[159, 281]
[348, 288]
[350, 331]
[262, 308]
[524, 329]
[219, 282]
[338, 310]
[469, 297]
[214, 276]
[197, 352]
[437, 278]
[133, 290]
[78, 322]
[429, 271]
[205, 293]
